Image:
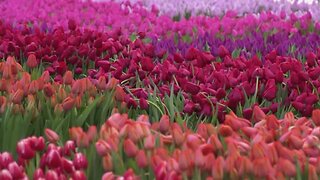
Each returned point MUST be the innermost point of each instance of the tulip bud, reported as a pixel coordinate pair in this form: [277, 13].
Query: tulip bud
[52, 136]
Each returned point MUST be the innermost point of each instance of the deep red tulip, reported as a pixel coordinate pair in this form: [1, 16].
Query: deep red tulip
[38, 174]
[5, 159]
[270, 90]
[69, 148]
[67, 165]
[24, 150]
[15, 170]
[72, 25]
[223, 51]
[80, 161]
[5, 175]
[51, 175]
[53, 159]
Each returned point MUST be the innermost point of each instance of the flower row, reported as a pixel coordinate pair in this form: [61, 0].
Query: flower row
[266, 148]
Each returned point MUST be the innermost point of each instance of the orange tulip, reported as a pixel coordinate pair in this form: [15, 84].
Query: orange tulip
[32, 61]
[258, 114]
[149, 142]
[107, 162]
[262, 167]
[102, 84]
[235, 122]
[130, 148]
[164, 124]
[18, 96]
[217, 168]
[178, 136]
[215, 142]
[112, 83]
[68, 103]
[141, 159]
[33, 87]
[316, 116]
[225, 130]
[68, 78]
[102, 147]
[48, 90]
[287, 167]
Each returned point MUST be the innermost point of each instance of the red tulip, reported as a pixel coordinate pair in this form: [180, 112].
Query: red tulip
[223, 51]
[270, 90]
[52, 136]
[191, 88]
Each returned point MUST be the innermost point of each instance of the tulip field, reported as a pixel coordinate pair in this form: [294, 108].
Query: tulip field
[159, 89]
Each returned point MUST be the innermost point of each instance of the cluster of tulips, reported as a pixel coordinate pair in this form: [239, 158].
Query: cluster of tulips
[130, 92]
[266, 147]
